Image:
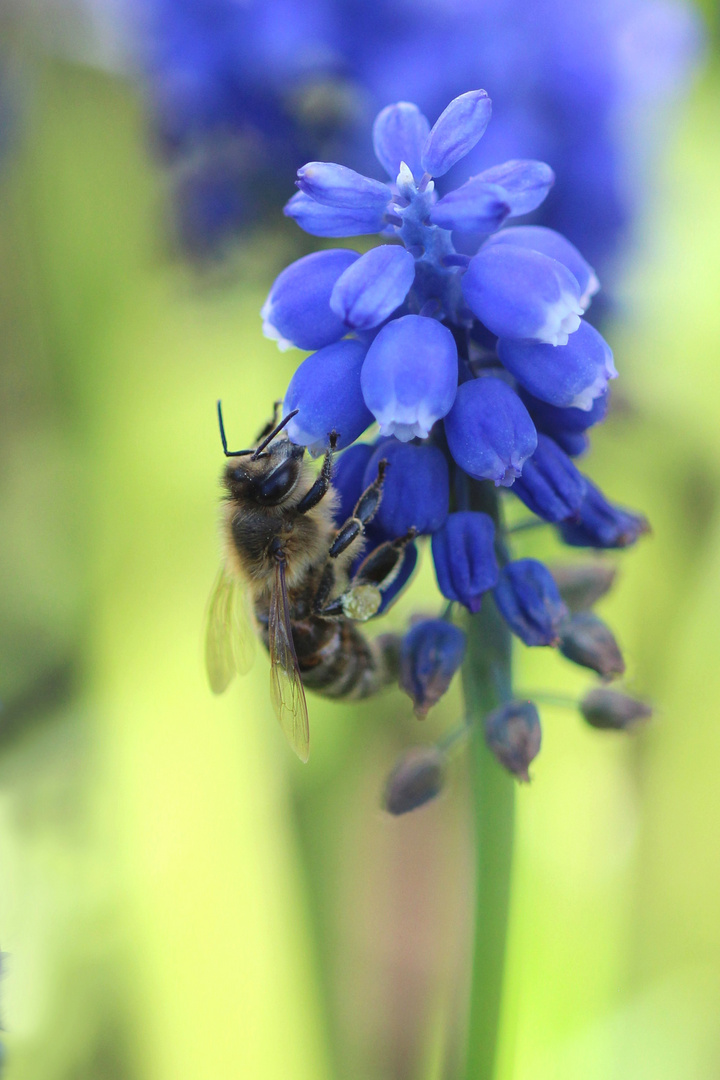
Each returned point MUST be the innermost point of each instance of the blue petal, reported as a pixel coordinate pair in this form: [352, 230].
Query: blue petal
[348, 472]
[518, 293]
[526, 183]
[554, 244]
[550, 484]
[338, 186]
[528, 599]
[373, 287]
[416, 492]
[475, 207]
[566, 375]
[399, 134]
[297, 311]
[489, 431]
[326, 390]
[464, 556]
[456, 131]
[409, 378]
[320, 220]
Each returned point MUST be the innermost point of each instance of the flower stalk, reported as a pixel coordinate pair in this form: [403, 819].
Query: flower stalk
[487, 681]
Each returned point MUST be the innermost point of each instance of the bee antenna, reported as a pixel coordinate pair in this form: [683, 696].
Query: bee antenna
[223, 439]
[275, 431]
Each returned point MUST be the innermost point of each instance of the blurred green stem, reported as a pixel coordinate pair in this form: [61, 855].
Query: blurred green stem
[486, 684]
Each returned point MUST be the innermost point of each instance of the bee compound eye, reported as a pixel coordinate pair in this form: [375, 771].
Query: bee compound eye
[274, 487]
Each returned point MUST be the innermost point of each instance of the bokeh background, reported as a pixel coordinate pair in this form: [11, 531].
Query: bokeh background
[179, 897]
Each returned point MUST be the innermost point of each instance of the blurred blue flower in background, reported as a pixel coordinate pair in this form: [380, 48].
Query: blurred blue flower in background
[242, 93]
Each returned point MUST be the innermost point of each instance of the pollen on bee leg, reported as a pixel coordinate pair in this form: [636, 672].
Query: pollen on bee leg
[361, 602]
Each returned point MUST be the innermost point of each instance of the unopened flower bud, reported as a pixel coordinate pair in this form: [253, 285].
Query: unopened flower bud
[399, 134]
[464, 556]
[613, 711]
[582, 584]
[456, 131]
[589, 642]
[416, 779]
[514, 735]
[528, 599]
[525, 185]
[430, 654]
[337, 186]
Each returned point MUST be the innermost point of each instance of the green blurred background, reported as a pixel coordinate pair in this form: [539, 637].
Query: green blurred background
[179, 897]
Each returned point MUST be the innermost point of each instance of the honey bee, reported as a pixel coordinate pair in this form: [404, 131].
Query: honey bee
[285, 558]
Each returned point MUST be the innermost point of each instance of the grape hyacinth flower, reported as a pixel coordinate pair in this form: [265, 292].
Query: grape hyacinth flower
[478, 368]
[474, 377]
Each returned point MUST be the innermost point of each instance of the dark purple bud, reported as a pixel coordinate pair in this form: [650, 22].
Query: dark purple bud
[612, 711]
[589, 642]
[430, 654]
[550, 485]
[582, 584]
[416, 779]
[599, 524]
[464, 555]
[514, 735]
[528, 599]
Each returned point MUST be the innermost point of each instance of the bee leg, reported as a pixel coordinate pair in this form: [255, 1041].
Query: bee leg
[365, 510]
[271, 423]
[375, 574]
[322, 485]
[324, 589]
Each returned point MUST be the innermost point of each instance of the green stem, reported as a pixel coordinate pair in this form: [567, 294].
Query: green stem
[487, 684]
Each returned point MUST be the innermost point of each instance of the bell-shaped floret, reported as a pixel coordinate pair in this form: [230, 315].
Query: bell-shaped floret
[571, 375]
[476, 206]
[430, 654]
[325, 390]
[416, 779]
[525, 183]
[589, 642]
[548, 242]
[528, 599]
[374, 286]
[566, 426]
[489, 431]
[456, 131]
[319, 219]
[338, 186]
[464, 556]
[550, 484]
[297, 311]
[399, 134]
[409, 378]
[522, 295]
[599, 524]
[416, 491]
[513, 733]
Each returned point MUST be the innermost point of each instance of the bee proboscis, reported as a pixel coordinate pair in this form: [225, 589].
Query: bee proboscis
[284, 554]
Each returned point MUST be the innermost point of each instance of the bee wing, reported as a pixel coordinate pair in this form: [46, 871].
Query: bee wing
[229, 637]
[286, 688]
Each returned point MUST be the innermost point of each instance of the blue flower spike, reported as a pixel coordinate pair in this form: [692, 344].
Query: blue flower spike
[481, 374]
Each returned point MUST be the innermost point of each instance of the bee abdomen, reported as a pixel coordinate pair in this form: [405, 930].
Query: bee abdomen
[347, 665]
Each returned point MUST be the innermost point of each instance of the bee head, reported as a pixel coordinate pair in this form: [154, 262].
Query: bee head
[267, 479]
